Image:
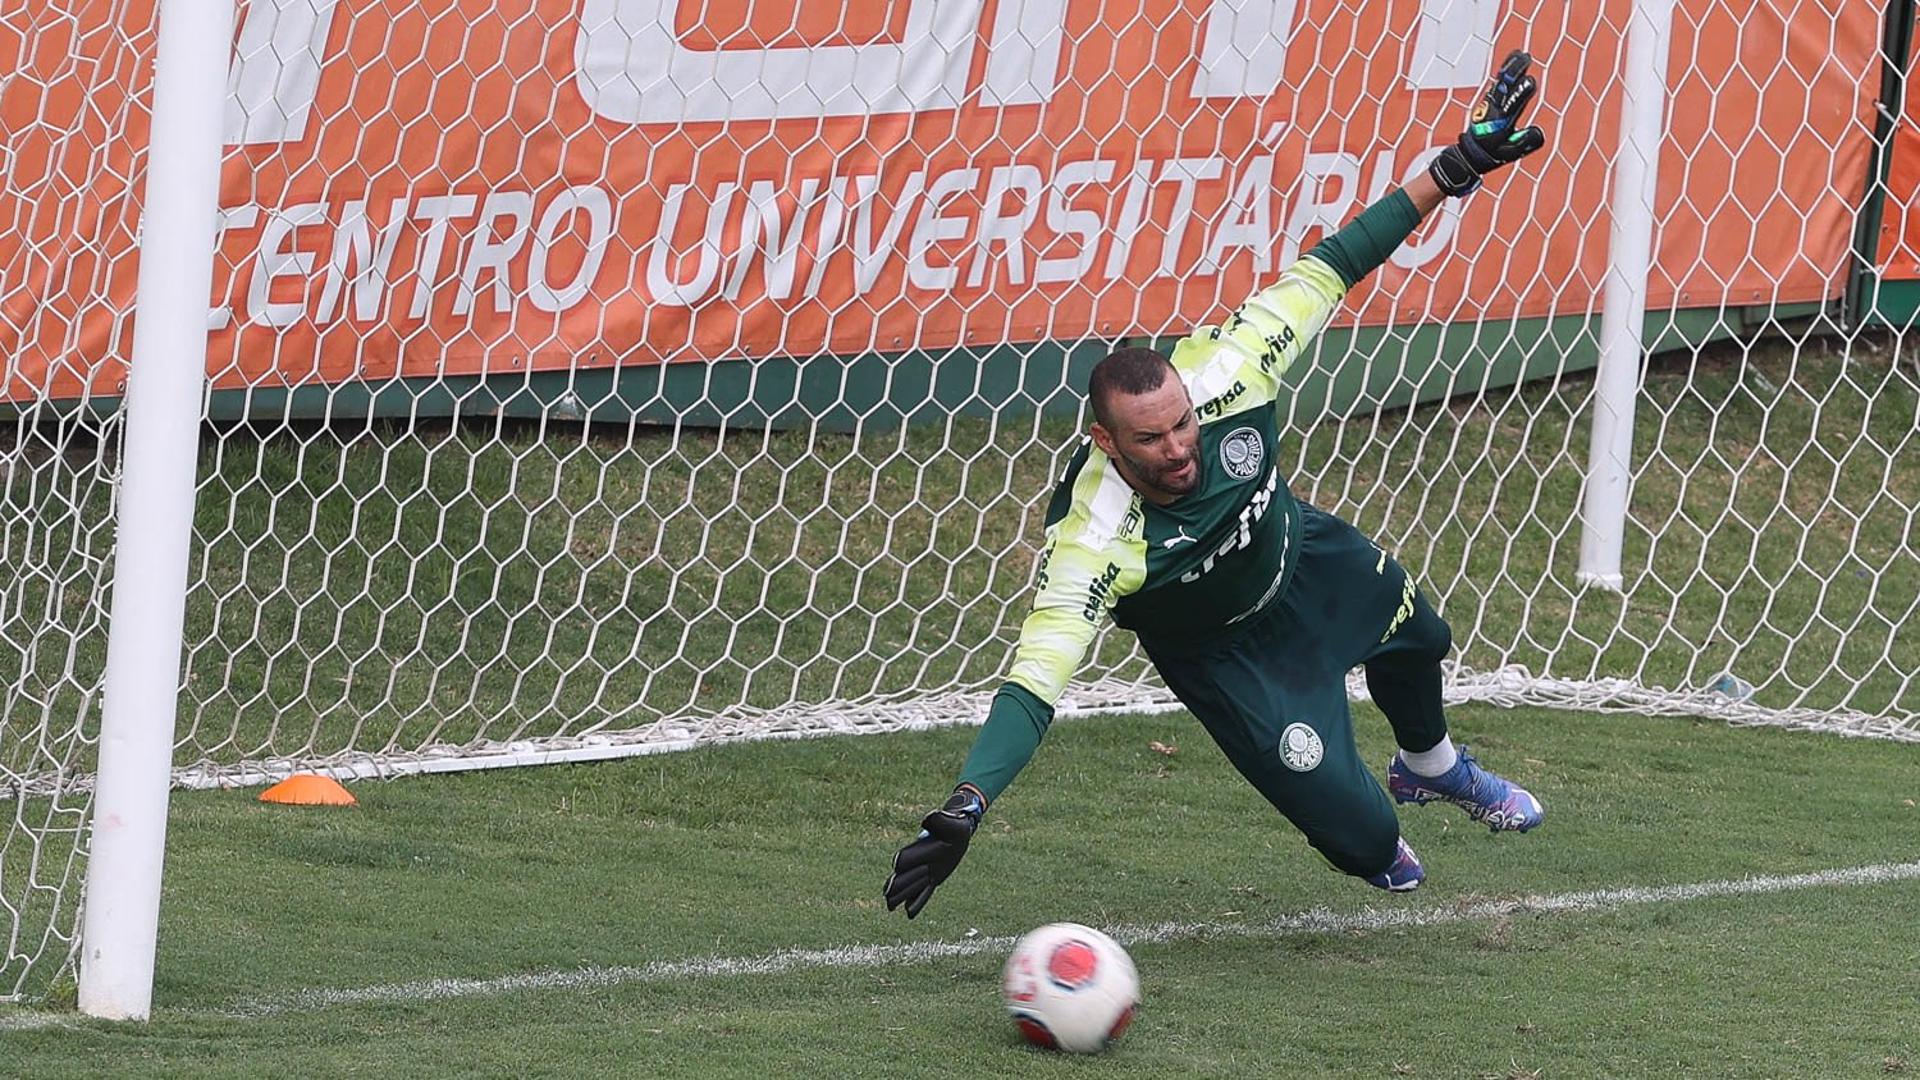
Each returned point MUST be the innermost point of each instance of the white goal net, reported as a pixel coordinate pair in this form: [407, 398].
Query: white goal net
[595, 378]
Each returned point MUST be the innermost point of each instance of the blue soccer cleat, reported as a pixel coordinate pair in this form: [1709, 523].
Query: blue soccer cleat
[1406, 873]
[1496, 803]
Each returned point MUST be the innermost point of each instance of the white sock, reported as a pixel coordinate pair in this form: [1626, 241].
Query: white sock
[1433, 761]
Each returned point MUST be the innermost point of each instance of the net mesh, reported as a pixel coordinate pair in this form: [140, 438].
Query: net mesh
[453, 513]
[70, 125]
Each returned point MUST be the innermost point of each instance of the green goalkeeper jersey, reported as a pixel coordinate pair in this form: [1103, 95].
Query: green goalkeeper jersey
[1194, 570]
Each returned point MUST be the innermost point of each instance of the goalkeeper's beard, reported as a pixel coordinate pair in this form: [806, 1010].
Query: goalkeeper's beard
[1164, 479]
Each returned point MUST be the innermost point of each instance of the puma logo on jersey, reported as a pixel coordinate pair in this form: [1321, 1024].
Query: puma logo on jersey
[1242, 536]
[1176, 541]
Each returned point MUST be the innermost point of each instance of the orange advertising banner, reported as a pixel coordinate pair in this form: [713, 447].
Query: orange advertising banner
[439, 187]
[1898, 258]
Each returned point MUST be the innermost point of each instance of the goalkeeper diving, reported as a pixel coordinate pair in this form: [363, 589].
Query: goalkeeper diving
[1173, 518]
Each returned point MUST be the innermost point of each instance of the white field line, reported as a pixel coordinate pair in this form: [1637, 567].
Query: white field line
[1316, 921]
[34, 1021]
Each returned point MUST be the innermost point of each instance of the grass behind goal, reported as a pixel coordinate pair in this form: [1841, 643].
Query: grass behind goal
[410, 908]
[387, 588]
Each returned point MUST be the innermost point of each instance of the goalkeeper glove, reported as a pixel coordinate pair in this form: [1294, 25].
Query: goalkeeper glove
[1492, 140]
[921, 866]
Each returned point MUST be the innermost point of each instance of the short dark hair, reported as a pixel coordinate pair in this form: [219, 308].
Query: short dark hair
[1124, 371]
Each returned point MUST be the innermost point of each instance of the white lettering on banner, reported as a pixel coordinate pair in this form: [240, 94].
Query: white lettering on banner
[763, 231]
[1453, 45]
[1382, 176]
[438, 211]
[353, 241]
[666, 288]
[1184, 172]
[356, 271]
[631, 67]
[277, 258]
[932, 228]
[1084, 224]
[869, 255]
[1248, 221]
[1006, 230]
[833, 230]
[1244, 53]
[485, 252]
[1023, 57]
[502, 241]
[1133, 210]
[276, 70]
[1329, 185]
[229, 219]
[556, 222]
[996, 240]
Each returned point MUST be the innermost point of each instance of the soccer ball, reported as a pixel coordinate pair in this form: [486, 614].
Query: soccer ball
[1070, 987]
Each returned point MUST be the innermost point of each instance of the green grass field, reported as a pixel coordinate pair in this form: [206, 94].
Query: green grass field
[395, 586]
[332, 942]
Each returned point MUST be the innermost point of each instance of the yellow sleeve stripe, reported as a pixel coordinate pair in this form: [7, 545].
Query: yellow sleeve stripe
[1109, 500]
[1230, 356]
[1095, 554]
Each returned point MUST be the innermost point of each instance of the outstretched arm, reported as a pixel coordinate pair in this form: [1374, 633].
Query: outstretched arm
[1493, 140]
[1424, 194]
[1239, 365]
[1094, 555]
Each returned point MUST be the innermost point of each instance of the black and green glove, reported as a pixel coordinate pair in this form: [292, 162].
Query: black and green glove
[1493, 139]
[921, 866]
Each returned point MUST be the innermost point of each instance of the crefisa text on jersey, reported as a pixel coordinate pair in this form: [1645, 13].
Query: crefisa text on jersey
[1250, 515]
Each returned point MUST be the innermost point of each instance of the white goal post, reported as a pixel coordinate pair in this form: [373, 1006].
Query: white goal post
[154, 519]
[590, 379]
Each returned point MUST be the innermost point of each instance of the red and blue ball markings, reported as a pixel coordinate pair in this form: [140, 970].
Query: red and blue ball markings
[1073, 965]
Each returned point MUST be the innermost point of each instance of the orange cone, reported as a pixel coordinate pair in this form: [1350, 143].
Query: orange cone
[308, 789]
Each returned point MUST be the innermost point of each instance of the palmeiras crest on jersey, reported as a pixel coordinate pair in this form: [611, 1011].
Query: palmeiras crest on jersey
[1300, 748]
[1242, 452]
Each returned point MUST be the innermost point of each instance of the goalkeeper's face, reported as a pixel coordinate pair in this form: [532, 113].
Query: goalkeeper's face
[1155, 439]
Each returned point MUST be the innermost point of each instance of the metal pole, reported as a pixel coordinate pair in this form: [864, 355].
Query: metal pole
[155, 521]
[1636, 174]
